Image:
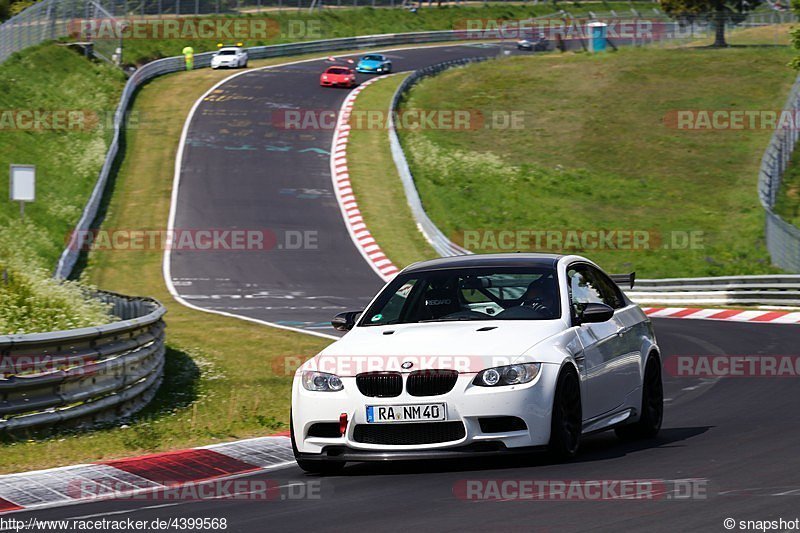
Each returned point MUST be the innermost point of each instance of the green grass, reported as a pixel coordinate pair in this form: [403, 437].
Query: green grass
[291, 25]
[595, 153]
[68, 148]
[55, 79]
[376, 184]
[31, 301]
[787, 204]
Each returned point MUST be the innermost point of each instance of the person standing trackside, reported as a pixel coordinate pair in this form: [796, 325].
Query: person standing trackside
[188, 54]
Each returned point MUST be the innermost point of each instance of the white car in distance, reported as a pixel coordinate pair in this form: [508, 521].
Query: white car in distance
[229, 57]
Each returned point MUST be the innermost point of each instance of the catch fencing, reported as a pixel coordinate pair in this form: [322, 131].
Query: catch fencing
[783, 238]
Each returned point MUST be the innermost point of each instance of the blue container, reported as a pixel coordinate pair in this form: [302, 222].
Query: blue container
[598, 32]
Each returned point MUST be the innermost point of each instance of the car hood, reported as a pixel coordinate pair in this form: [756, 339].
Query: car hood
[463, 346]
[369, 63]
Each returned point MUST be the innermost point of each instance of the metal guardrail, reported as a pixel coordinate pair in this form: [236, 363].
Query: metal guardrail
[83, 376]
[774, 290]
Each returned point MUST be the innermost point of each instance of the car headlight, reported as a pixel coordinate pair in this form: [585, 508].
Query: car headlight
[324, 77]
[320, 381]
[507, 375]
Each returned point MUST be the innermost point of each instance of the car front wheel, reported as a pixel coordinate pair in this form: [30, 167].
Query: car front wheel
[567, 420]
[649, 423]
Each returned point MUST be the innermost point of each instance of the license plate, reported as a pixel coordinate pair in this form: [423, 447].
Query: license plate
[406, 413]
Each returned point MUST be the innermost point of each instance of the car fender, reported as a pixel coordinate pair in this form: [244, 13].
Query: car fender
[649, 347]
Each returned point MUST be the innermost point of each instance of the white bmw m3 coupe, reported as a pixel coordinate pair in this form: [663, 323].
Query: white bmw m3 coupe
[477, 355]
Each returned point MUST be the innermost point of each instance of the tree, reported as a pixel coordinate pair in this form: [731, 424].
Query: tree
[718, 12]
[4, 10]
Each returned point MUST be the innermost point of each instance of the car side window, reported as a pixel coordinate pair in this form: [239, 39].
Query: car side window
[588, 285]
[609, 292]
[582, 288]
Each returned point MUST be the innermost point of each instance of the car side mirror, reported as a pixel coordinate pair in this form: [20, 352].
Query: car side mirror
[345, 321]
[594, 312]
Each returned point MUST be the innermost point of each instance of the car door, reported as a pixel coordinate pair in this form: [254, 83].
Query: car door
[608, 367]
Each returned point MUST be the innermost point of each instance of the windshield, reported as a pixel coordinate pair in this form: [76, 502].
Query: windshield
[467, 294]
[372, 58]
[334, 70]
[227, 52]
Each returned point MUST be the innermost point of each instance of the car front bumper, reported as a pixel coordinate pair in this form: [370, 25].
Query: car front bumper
[329, 83]
[345, 453]
[466, 404]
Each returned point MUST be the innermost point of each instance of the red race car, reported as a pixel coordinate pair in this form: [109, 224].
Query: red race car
[338, 77]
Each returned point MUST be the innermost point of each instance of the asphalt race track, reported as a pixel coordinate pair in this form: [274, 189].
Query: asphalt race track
[738, 436]
[242, 170]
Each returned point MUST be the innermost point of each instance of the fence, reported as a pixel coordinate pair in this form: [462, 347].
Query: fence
[83, 376]
[783, 239]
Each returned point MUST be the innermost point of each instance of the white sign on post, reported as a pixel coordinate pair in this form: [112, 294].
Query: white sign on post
[23, 185]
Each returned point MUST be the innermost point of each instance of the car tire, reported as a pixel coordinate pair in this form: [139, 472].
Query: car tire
[649, 423]
[313, 467]
[245, 64]
[566, 423]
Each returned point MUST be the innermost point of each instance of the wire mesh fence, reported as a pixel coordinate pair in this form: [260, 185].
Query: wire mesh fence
[783, 239]
[54, 19]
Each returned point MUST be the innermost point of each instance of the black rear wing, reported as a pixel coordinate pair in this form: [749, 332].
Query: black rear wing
[624, 279]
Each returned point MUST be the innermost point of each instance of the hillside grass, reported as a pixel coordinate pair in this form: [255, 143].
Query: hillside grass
[53, 79]
[67, 142]
[596, 153]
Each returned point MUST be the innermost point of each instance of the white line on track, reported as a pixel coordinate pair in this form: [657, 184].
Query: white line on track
[166, 266]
